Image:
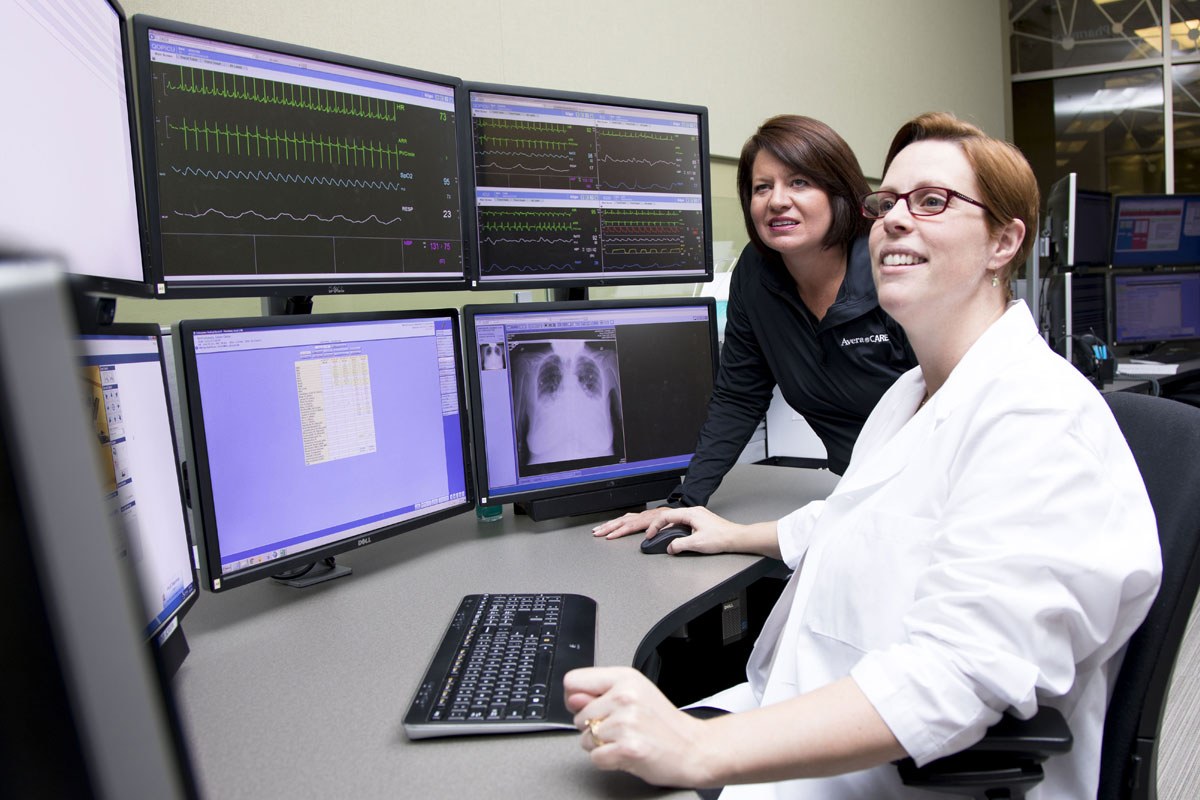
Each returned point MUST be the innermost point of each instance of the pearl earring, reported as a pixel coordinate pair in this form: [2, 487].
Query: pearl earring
[995, 279]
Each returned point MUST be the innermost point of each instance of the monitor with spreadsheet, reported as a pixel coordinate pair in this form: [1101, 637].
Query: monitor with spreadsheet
[583, 190]
[279, 170]
[1156, 231]
[1149, 308]
[588, 406]
[72, 182]
[125, 397]
[310, 436]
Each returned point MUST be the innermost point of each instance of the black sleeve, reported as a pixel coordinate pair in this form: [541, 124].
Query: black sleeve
[740, 398]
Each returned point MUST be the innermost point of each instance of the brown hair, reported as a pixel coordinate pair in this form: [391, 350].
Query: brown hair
[1005, 179]
[814, 150]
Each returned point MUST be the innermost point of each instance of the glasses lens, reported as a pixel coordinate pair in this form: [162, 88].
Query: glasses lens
[879, 204]
[928, 201]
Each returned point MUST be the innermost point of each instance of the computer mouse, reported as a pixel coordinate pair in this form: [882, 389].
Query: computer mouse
[658, 542]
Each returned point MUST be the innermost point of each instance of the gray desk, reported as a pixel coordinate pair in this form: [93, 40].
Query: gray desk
[300, 693]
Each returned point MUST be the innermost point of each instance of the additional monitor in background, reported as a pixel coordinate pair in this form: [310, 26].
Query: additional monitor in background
[85, 712]
[1078, 314]
[1156, 230]
[314, 435]
[1151, 309]
[280, 170]
[125, 395]
[581, 190]
[588, 406]
[1078, 224]
[71, 182]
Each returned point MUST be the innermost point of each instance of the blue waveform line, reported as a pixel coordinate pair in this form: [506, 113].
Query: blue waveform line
[519, 153]
[637, 187]
[287, 215]
[518, 165]
[645, 161]
[608, 267]
[281, 177]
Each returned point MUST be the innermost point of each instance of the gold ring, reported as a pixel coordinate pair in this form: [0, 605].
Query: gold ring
[591, 726]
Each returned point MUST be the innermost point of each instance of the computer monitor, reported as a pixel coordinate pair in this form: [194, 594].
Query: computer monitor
[311, 436]
[1156, 230]
[125, 395]
[1152, 308]
[1078, 224]
[579, 407]
[280, 170]
[86, 714]
[581, 190]
[72, 183]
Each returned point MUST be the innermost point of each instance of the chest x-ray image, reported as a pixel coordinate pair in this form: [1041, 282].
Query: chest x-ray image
[491, 355]
[566, 403]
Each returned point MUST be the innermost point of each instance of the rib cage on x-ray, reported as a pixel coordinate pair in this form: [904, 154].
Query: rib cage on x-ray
[566, 400]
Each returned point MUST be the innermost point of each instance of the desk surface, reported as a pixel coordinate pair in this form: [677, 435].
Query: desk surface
[301, 692]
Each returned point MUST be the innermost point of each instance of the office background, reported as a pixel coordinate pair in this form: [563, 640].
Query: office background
[864, 66]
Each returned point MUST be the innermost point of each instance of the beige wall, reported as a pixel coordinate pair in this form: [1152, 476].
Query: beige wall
[847, 62]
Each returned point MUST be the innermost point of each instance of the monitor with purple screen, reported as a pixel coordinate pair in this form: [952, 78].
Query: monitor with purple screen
[589, 406]
[314, 435]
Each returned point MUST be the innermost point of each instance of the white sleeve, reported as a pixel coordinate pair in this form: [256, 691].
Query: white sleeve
[795, 532]
[1043, 562]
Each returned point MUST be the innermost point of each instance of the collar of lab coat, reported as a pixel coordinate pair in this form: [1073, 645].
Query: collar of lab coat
[893, 431]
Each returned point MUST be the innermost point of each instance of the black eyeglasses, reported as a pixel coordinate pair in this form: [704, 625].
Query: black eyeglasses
[927, 201]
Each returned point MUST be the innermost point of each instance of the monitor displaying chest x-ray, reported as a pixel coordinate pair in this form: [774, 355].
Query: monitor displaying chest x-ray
[588, 406]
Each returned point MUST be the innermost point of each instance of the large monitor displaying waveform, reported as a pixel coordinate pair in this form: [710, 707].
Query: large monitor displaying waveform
[588, 406]
[312, 435]
[71, 183]
[581, 190]
[280, 170]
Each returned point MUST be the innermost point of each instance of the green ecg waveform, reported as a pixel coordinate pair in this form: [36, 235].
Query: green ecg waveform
[522, 125]
[527, 221]
[617, 134]
[528, 144]
[257, 143]
[236, 87]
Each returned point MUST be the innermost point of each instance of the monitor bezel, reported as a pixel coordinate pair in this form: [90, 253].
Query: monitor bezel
[470, 312]
[1115, 261]
[160, 287]
[206, 535]
[468, 138]
[1115, 276]
[90, 327]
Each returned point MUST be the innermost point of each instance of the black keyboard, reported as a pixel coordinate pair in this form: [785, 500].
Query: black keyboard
[499, 667]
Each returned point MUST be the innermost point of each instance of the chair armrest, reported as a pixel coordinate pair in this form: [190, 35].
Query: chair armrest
[1007, 755]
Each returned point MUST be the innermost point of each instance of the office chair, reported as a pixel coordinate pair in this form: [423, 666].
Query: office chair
[1164, 437]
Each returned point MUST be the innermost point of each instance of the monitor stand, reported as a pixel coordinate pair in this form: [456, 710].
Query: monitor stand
[326, 569]
[612, 499]
[172, 649]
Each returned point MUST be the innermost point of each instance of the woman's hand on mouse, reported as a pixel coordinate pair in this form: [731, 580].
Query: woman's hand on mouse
[629, 725]
[631, 523]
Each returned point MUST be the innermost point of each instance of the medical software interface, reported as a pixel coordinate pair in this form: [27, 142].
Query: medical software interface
[319, 433]
[270, 164]
[126, 400]
[570, 397]
[1157, 308]
[575, 190]
[1156, 231]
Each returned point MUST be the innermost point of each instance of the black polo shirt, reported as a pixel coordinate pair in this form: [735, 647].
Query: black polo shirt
[832, 371]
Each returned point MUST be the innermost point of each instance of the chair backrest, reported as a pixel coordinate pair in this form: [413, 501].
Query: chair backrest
[1164, 437]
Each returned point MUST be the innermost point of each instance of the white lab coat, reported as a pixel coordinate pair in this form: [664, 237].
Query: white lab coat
[991, 551]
